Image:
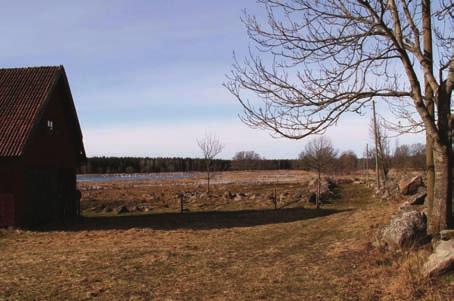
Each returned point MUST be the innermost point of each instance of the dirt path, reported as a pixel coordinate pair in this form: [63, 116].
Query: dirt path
[315, 255]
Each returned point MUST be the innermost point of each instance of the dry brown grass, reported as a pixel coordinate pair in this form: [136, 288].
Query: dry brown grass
[260, 254]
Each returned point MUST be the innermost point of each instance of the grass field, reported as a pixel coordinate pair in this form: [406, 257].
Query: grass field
[252, 253]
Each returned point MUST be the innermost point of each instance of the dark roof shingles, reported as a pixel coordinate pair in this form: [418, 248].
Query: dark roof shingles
[23, 92]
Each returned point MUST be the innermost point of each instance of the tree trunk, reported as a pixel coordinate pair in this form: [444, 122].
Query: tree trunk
[441, 215]
[181, 202]
[318, 190]
[208, 177]
[428, 94]
[430, 168]
[377, 170]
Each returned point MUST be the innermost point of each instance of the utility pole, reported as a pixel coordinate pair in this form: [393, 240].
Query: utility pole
[367, 164]
[377, 171]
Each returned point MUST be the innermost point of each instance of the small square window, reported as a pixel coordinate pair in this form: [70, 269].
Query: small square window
[50, 125]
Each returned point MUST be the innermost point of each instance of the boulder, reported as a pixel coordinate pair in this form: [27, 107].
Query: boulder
[326, 187]
[312, 198]
[409, 186]
[384, 195]
[283, 196]
[107, 209]
[238, 197]
[146, 209]
[405, 205]
[418, 199]
[344, 181]
[405, 230]
[446, 234]
[134, 209]
[441, 260]
[98, 208]
[121, 210]
[298, 195]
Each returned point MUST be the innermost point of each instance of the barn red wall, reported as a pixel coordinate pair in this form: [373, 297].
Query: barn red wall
[45, 150]
[60, 148]
[11, 182]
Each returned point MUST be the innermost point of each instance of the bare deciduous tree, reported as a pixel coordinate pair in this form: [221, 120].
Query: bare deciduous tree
[382, 151]
[317, 60]
[246, 160]
[246, 155]
[319, 155]
[211, 146]
[348, 161]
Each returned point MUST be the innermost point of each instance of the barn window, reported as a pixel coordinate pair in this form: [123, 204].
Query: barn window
[50, 126]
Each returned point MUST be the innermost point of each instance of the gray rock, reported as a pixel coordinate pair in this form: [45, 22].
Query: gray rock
[405, 230]
[312, 198]
[441, 260]
[298, 195]
[422, 189]
[121, 210]
[405, 205]
[134, 209]
[107, 209]
[283, 196]
[447, 234]
[228, 195]
[410, 186]
[326, 186]
[418, 199]
[385, 195]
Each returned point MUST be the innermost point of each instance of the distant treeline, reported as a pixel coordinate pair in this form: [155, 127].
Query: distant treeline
[147, 165]
[403, 157]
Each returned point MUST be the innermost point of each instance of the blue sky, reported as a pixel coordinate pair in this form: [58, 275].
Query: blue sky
[147, 76]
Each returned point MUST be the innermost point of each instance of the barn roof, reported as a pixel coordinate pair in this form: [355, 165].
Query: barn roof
[23, 95]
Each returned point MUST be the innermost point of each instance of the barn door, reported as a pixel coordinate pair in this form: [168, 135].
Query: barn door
[42, 195]
[66, 190]
[6, 210]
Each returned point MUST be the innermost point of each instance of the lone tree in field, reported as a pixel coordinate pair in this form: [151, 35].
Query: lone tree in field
[244, 160]
[317, 60]
[319, 155]
[347, 162]
[246, 155]
[211, 146]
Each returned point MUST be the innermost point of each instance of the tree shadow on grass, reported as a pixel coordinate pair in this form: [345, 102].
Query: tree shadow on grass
[197, 220]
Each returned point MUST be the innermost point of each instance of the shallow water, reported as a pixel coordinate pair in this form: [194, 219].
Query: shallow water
[98, 178]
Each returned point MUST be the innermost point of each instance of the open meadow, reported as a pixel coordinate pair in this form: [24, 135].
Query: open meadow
[232, 244]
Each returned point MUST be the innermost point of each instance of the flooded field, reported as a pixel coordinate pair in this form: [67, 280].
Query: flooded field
[99, 178]
[153, 193]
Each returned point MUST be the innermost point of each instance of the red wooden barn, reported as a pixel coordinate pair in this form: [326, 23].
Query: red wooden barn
[40, 147]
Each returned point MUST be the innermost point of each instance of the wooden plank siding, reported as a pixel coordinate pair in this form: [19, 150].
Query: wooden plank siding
[39, 172]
